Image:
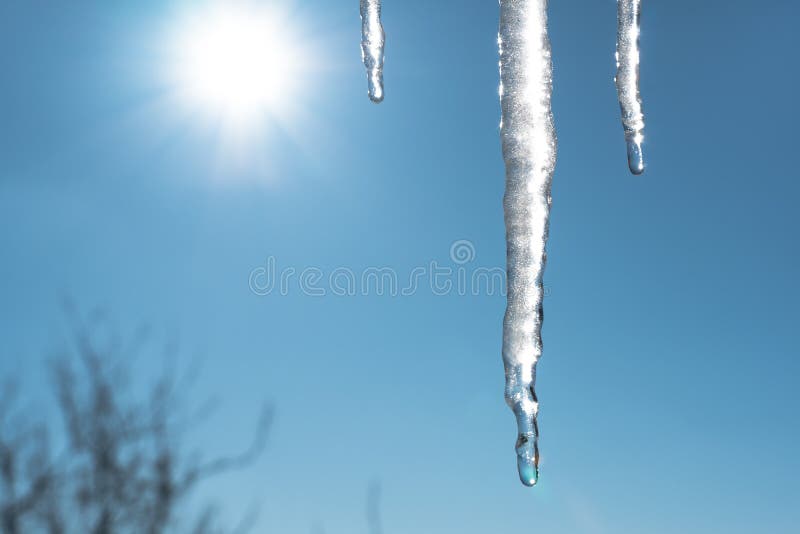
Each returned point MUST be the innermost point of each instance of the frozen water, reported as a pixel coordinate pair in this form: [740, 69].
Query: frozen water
[627, 80]
[372, 47]
[529, 150]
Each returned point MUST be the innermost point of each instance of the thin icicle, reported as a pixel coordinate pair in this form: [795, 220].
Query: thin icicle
[627, 80]
[529, 149]
[372, 46]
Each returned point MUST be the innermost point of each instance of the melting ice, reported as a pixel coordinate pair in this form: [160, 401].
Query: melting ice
[529, 150]
[627, 80]
[372, 46]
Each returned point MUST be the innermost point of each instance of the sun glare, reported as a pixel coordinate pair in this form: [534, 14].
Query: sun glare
[239, 63]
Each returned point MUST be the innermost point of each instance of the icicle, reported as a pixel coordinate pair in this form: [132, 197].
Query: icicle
[529, 149]
[627, 80]
[372, 41]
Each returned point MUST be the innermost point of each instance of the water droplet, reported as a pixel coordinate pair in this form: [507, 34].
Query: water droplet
[528, 459]
[528, 472]
[635, 157]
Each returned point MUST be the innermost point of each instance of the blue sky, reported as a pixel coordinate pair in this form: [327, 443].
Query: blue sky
[668, 383]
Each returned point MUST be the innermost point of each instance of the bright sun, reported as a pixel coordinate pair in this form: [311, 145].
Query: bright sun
[239, 62]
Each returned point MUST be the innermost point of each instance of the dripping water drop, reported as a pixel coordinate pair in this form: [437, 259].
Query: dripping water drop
[635, 156]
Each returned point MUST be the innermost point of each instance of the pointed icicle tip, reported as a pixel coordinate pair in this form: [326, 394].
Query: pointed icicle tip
[528, 472]
[376, 93]
[635, 157]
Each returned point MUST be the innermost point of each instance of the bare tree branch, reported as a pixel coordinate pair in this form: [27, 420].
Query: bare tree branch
[123, 470]
[374, 507]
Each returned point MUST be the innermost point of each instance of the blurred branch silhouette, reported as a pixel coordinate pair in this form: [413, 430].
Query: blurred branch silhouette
[373, 505]
[122, 468]
[374, 508]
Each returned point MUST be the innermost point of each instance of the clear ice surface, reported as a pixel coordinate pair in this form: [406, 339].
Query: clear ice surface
[529, 144]
[627, 80]
[529, 150]
[372, 47]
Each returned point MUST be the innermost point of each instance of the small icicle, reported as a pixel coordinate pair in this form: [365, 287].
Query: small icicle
[372, 47]
[529, 150]
[627, 80]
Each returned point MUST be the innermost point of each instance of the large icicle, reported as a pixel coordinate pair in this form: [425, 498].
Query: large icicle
[627, 80]
[529, 149]
[372, 45]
